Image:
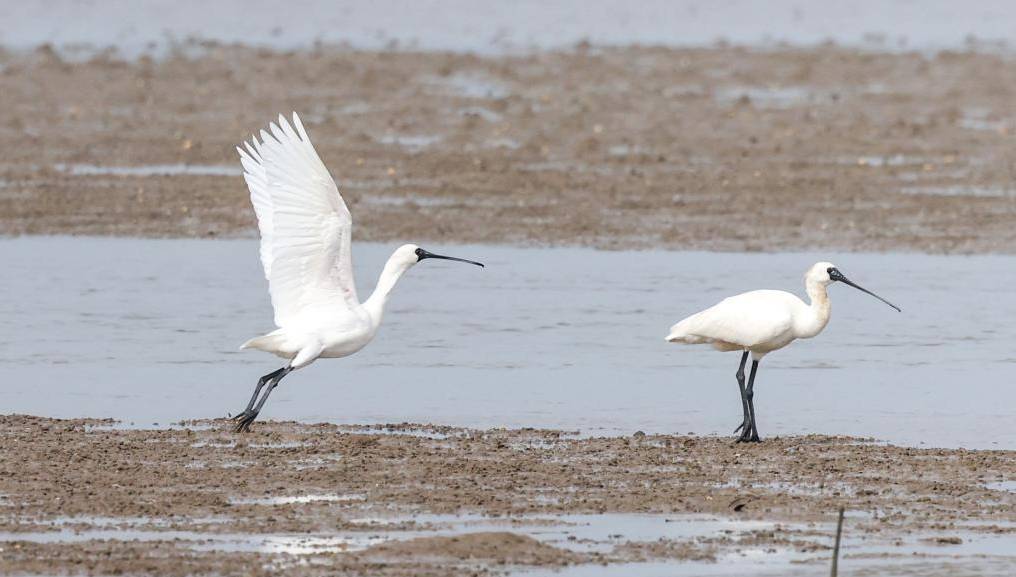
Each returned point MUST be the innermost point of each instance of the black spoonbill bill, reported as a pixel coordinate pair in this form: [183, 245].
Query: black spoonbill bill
[760, 322]
[305, 251]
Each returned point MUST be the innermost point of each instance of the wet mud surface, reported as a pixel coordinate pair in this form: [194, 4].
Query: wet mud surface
[720, 148]
[85, 496]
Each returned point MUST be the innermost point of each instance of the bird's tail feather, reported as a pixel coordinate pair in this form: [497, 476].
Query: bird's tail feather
[271, 342]
[683, 332]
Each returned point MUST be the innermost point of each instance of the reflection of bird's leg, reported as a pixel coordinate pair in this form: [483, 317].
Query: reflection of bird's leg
[247, 417]
[744, 400]
[750, 432]
[257, 389]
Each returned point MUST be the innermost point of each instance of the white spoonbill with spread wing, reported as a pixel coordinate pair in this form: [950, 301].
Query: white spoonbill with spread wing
[760, 322]
[305, 250]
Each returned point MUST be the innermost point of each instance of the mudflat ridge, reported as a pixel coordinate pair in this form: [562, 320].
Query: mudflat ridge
[719, 148]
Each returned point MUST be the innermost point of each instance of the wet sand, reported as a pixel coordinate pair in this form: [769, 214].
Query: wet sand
[86, 496]
[720, 148]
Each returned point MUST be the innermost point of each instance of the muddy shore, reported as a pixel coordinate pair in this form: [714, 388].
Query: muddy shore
[85, 496]
[721, 148]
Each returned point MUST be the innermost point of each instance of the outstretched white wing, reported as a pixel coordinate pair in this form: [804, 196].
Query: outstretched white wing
[304, 223]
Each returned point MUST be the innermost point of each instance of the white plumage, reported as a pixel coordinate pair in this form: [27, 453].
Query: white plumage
[306, 232]
[759, 321]
[762, 321]
[305, 226]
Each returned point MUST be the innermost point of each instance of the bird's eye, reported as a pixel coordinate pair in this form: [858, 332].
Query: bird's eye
[829, 270]
[419, 252]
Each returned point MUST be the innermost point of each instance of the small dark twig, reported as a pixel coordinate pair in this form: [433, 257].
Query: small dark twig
[836, 547]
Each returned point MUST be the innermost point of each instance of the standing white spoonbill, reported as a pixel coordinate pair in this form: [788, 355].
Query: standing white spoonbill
[761, 322]
[305, 250]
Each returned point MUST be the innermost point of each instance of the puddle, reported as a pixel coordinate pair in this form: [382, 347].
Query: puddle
[622, 150]
[95, 522]
[961, 190]
[292, 544]
[424, 433]
[385, 183]
[983, 119]
[299, 499]
[665, 569]
[480, 112]
[540, 338]
[890, 160]
[279, 445]
[412, 143]
[216, 444]
[427, 201]
[777, 97]
[316, 462]
[508, 143]
[467, 85]
[792, 488]
[149, 170]
[1009, 486]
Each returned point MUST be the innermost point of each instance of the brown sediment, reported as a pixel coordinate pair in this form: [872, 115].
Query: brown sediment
[717, 148]
[383, 485]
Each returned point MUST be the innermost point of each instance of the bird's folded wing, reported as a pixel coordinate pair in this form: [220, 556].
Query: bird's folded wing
[747, 319]
[304, 223]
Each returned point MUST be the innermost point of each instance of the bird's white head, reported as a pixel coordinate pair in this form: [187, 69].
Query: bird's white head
[405, 256]
[401, 260]
[820, 273]
[825, 273]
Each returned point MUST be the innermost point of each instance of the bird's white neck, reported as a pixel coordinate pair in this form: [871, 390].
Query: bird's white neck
[820, 308]
[390, 275]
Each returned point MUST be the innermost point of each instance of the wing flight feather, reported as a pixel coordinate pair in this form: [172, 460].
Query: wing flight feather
[305, 226]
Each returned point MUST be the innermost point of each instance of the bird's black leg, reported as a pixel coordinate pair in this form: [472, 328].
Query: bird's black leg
[740, 384]
[750, 432]
[257, 389]
[247, 417]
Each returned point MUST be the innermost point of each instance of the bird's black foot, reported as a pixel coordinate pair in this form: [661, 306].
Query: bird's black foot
[244, 420]
[748, 435]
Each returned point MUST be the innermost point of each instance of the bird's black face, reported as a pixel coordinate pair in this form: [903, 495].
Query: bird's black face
[422, 254]
[836, 276]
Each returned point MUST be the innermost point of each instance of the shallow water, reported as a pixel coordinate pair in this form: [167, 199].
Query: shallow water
[147, 331]
[978, 552]
[492, 26]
